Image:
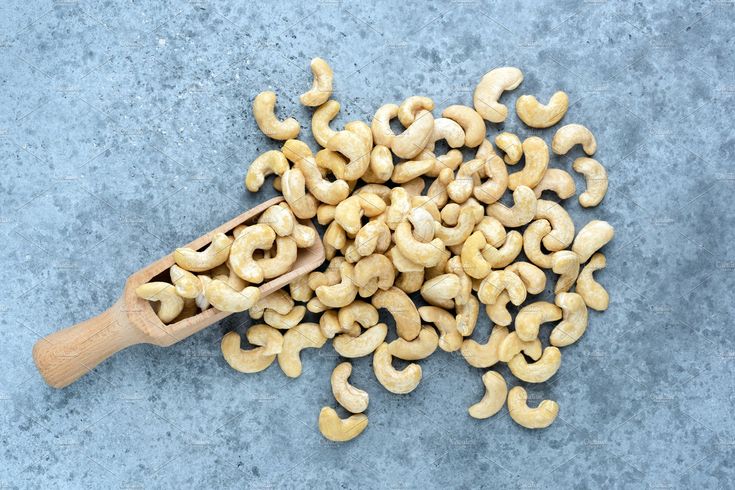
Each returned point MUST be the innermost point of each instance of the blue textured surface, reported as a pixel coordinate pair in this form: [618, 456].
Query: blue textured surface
[125, 130]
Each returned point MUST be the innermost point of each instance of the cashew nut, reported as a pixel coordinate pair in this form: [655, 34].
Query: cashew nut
[592, 238]
[415, 137]
[419, 348]
[573, 134]
[341, 430]
[467, 178]
[303, 336]
[342, 293]
[498, 311]
[330, 326]
[259, 236]
[484, 355]
[321, 89]
[362, 345]
[409, 108]
[496, 282]
[320, 121]
[566, 264]
[492, 402]
[450, 339]
[512, 345]
[493, 230]
[278, 301]
[496, 183]
[557, 181]
[574, 320]
[562, 226]
[532, 237]
[533, 277]
[596, 177]
[215, 254]
[187, 284]
[264, 107]
[381, 165]
[374, 269]
[489, 90]
[409, 170]
[473, 262]
[356, 150]
[539, 371]
[425, 254]
[470, 121]
[223, 297]
[358, 312]
[537, 115]
[401, 307]
[530, 317]
[171, 303]
[511, 146]
[592, 292]
[530, 418]
[280, 218]
[393, 380]
[269, 340]
[523, 211]
[284, 321]
[537, 161]
[352, 399]
[283, 261]
[467, 314]
[350, 211]
[501, 257]
[270, 162]
[448, 130]
[380, 126]
[302, 203]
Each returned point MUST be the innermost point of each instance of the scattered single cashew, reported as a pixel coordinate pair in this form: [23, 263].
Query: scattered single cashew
[410, 107]
[493, 230]
[321, 89]
[403, 310]
[441, 290]
[532, 237]
[358, 312]
[259, 236]
[533, 277]
[215, 254]
[269, 340]
[467, 178]
[498, 311]
[414, 138]
[592, 292]
[492, 402]
[283, 261]
[596, 177]
[280, 218]
[537, 115]
[320, 122]
[356, 150]
[484, 355]
[592, 238]
[223, 297]
[303, 204]
[342, 293]
[562, 226]
[511, 146]
[539, 371]
[456, 235]
[503, 256]
[410, 282]
[393, 380]
[322, 189]
[409, 170]
[557, 181]
[427, 254]
[522, 212]
[496, 282]
[496, 183]
[352, 399]
[473, 262]
[573, 134]
[489, 90]
[537, 161]
[450, 340]
[284, 321]
[530, 418]
[278, 301]
[512, 346]
[530, 317]
[171, 303]
[470, 121]
[400, 207]
[350, 211]
[419, 348]
[377, 268]
[467, 314]
[264, 107]
[362, 345]
[187, 284]
[380, 126]
[270, 162]
[448, 130]
[574, 320]
[566, 264]
[305, 335]
[341, 430]
[381, 164]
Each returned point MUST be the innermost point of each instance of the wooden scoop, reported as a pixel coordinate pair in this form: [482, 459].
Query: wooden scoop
[66, 355]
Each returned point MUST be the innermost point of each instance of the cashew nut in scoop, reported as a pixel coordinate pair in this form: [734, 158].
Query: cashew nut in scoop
[171, 303]
[470, 121]
[493, 188]
[283, 261]
[284, 321]
[215, 254]
[498, 311]
[201, 299]
[537, 161]
[304, 236]
[596, 177]
[355, 149]
[393, 380]
[566, 264]
[320, 122]
[489, 90]
[264, 107]
[270, 162]
[557, 181]
[281, 219]
[187, 284]
[538, 115]
[359, 311]
[415, 137]
[303, 204]
[223, 297]
[492, 402]
[278, 301]
[303, 336]
[352, 399]
[511, 346]
[427, 254]
[574, 320]
[269, 340]
[419, 348]
[341, 430]
[341, 294]
[562, 226]
[362, 345]
[510, 144]
[321, 89]
[498, 281]
[592, 292]
[350, 211]
[592, 238]
[530, 418]
[539, 371]
[522, 212]
[450, 340]
[403, 310]
[484, 355]
[573, 134]
[530, 317]
[448, 130]
[259, 236]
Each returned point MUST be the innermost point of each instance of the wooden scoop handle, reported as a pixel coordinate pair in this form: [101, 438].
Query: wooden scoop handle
[66, 355]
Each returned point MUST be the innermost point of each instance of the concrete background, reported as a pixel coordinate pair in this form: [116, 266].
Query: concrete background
[125, 130]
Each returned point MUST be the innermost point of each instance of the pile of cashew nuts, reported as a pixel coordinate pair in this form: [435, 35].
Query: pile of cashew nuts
[392, 242]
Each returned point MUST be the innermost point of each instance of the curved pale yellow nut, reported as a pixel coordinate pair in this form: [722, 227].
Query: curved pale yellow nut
[284, 321]
[410, 107]
[266, 337]
[399, 209]
[596, 177]
[374, 267]
[409, 170]
[532, 237]
[485, 150]
[538, 115]
[493, 230]
[380, 190]
[450, 340]
[352, 146]
[350, 211]
[362, 345]
[278, 301]
[316, 306]
[415, 137]
[532, 276]
[321, 188]
[352, 399]
[264, 107]
[451, 160]
[304, 236]
[450, 214]
[419, 348]
[270, 162]
[303, 336]
[501, 257]
[403, 310]
[215, 254]
[461, 188]
[566, 264]
[325, 214]
[303, 204]
[426, 254]
[329, 325]
[321, 88]
[380, 125]
[300, 290]
[423, 224]
[283, 261]
[574, 320]
[484, 355]
[223, 297]
[437, 191]
[489, 90]
[187, 284]
[410, 282]
[530, 418]
[510, 144]
[530, 317]
[592, 292]
[320, 122]
[358, 312]
[496, 282]
[562, 226]
[467, 314]
[537, 161]
[498, 311]
[595, 235]
[539, 371]
[470, 121]
[280, 218]
[573, 134]
[381, 165]
[254, 360]
[401, 262]
[341, 430]
[454, 265]
[557, 181]
[473, 262]
[361, 129]
[441, 290]
[189, 310]
[171, 303]
[522, 212]
[259, 236]
[512, 346]
[448, 130]
[393, 380]
[201, 299]
[494, 186]
[342, 293]
[457, 234]
[492, 402]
